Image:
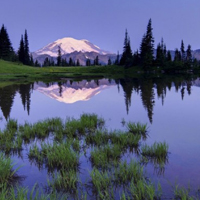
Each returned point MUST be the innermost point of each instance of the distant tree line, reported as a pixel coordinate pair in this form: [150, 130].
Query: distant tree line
[145, 58]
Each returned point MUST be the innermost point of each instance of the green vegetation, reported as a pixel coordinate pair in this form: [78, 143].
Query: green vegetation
[60, 146]
[7, 174]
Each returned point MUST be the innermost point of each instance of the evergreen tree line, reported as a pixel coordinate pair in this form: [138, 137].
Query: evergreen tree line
[95, 62]
[62, 62]
[145, 56]
[7, 52]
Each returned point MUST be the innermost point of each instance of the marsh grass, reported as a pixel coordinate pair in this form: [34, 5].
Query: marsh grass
[7, 174]
[12, 125]
[102, 183]
[181, 193]
[97, 138]
[127, 172]
[143, 190]
[105, 156]
[64, 181]
[58, 145]
[56, 156]
[87, 123]
[157, 150]
[22, 193]
[137, 128]
[125, 140]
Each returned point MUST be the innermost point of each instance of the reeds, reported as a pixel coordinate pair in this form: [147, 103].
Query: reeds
[7, 174]
[58, 155]
[127, 172]
[64, 181]
[106, 155]
[137, 128]
[157, 150]
[144, 190]
[62, 143]
[101, 182]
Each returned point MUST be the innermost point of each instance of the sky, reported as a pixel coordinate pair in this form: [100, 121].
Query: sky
[102, 22]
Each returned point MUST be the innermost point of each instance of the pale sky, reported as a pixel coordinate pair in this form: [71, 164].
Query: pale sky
[102, 22]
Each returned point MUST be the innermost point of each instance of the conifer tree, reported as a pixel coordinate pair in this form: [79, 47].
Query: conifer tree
[147, 47]
[31, 60]
[6, 50]
[127, 52]
[71, 63]
[88, 62]
[77, 62]
[169, 57]
[161, 53]
[59, 57]
[109, 62]
[177, 56]
[96, 61]
[182, 51]
[189, 55]
[21, 52]
[26, 49]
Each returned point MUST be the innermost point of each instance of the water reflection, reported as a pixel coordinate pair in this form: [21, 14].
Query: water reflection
[148, 87]
[71, 91]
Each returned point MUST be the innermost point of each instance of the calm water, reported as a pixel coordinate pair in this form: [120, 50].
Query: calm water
[170, 107]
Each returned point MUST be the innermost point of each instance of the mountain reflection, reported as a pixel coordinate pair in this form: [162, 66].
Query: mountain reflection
[71, 91]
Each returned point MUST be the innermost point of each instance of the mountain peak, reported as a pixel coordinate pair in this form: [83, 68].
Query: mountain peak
[69, 45]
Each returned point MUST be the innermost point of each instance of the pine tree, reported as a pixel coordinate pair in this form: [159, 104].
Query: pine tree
[21, 51]
[6, 50]
[26, 49]
[161, 53]
[189, 55]
[71, 63]
[177, 56]
[109, 62]
[59, 57]
[127, 52]
[182, 51]
[147, 47]
[169, 57]
[37, 64]
[31, 60]
[46, 62]
[88, 62]
[77, 62]
[96, 61]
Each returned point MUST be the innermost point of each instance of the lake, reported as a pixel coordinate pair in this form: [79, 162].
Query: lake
[168, 105]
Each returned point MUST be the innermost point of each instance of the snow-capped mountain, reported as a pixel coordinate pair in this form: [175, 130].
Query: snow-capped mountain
[69, 45]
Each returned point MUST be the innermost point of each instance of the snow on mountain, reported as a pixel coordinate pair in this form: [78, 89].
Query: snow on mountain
[69, 45]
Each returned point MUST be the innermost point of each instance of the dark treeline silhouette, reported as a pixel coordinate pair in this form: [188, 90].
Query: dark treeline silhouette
[22, 55]
[8, 93]
[149, 59]
[148, 87]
